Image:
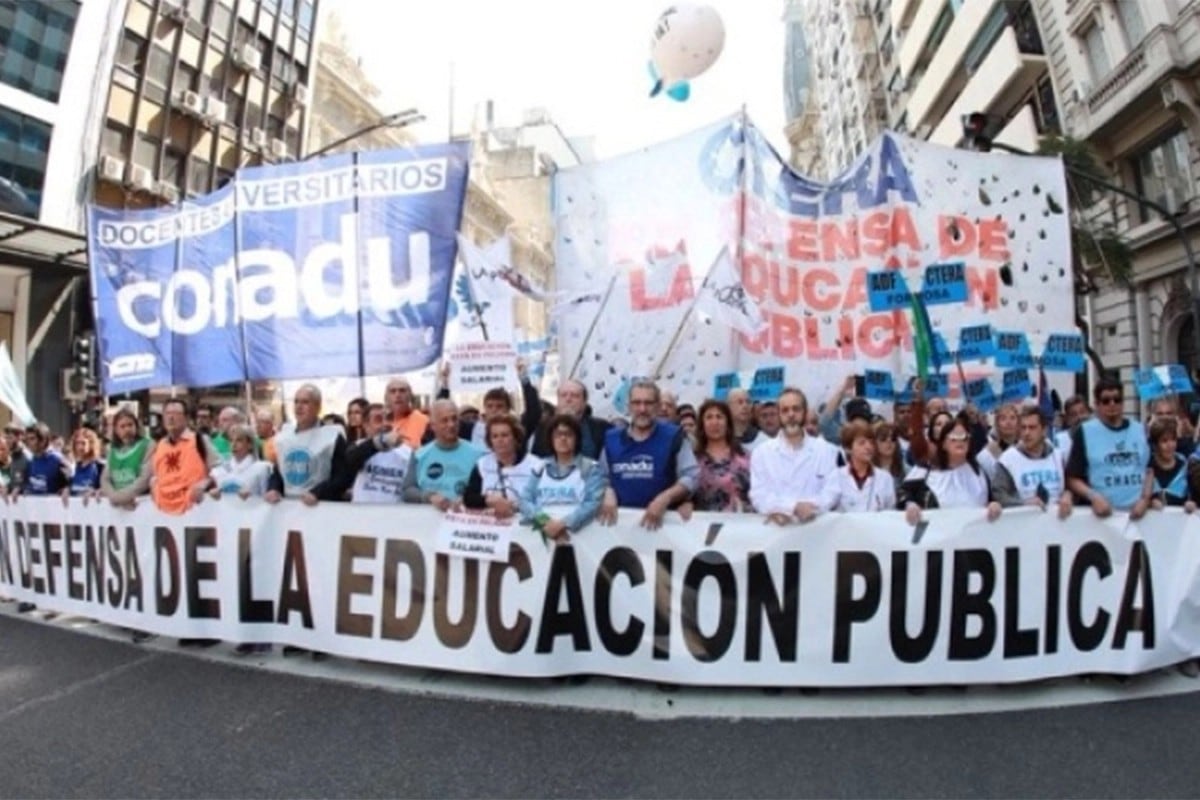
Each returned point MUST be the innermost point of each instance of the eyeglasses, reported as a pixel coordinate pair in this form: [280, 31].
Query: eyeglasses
[957, 437]
[1109, 400]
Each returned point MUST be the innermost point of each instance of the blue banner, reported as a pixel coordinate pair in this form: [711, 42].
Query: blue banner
[337, 266]
[878, 385]
[1017, 386]
[1162, 381]
[980, 394]
[766, 384]
[1012, 350]
[945, 283]
[723, 382]
[1063, 353]
[975, 343]
[887, 291]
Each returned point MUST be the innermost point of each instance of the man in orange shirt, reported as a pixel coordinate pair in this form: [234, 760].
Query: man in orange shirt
[410, 423]
[181, 462]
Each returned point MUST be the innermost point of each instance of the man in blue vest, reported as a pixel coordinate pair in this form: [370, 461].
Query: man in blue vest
[1109, 454]
[649, 463]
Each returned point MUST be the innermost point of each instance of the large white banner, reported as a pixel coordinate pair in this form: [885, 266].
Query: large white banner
[847, 600]
[637, 235]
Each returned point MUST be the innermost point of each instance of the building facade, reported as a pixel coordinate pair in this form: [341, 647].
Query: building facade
[1129, 76]
[847, 105]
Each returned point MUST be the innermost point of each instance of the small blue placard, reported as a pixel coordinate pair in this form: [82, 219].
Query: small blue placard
[1063, 353]
[887, 290]
[937, 386]
[1017, 386]
[723, 382]
[878, 385]
[942, 354]
[906, 394]
[945, 283]
[766, 384]
[1161, 381]
[979, 393]
[975, 343]
[1012, 350]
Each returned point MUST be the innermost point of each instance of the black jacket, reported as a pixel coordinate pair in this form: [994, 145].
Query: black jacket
[593, 437]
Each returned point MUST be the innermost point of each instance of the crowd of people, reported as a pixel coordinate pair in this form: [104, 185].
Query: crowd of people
[559, 468]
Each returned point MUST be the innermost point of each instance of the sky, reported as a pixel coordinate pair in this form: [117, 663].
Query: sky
[583, 61]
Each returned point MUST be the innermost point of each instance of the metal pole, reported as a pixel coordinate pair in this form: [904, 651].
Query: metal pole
[400, 120]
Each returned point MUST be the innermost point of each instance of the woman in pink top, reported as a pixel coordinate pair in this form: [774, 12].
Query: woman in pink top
[723, 483]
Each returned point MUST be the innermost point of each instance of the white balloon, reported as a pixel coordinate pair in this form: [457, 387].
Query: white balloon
[688, 38]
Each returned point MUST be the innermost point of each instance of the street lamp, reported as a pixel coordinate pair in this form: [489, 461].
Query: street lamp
[401, 119]
[975, 130]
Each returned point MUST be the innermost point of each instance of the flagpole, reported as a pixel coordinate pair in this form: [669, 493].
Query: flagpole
[592, 328]
[679, 331]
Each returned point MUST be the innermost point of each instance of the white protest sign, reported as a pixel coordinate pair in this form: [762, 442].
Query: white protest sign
[475, 536]
[478, 366]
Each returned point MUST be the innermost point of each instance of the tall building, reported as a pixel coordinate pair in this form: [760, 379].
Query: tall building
[846, 68]
[199, 89]
[53, 57]
[1129, 76]
[803, 118]
[958, 57]
[345, 100]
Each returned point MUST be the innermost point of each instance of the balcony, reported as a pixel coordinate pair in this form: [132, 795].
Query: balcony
[1001, 78]
[1139, 73]
[944, 66]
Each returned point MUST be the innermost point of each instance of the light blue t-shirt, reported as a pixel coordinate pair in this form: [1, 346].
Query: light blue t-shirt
[446, 471]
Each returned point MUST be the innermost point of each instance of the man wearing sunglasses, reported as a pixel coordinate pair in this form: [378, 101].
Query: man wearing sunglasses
[1109, 454]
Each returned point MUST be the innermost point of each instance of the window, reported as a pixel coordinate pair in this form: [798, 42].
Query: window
[196, 9]
[34, 41]
[199, 176]
[1097, 55]
[1046, 108]
[305, 19]
[24, 142]
[221, 17]
[158, 66]
[145, 151]
[172, 166]
[131, 54]
[1131, 22]
[1163, 173]
[116, 139]
[185, 78]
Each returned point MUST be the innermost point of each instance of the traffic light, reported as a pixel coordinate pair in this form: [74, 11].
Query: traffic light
[975, 131]
[83, 355]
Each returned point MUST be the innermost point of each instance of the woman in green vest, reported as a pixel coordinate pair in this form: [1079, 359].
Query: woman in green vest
[127, 474]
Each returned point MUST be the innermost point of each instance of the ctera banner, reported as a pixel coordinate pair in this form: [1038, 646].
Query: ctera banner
[982, 238]
[847, 600]
[333, 267]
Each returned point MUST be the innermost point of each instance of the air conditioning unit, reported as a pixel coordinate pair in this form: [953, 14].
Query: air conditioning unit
[247, 57]
[141, 178]
[167, 191]
[72, 385]
[278, 149]
[214, 110]
[174, 10]
[258, 137]
[112, 169]
[301, 93]
[192, 103]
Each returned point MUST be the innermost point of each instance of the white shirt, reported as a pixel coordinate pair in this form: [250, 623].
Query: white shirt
[1030, 473]
[961, 487]
[381, 479]
[782, 475]
[233, 476]
[842, 492]
[305, 458]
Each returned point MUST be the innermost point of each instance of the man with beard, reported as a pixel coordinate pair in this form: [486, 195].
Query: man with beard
[1032, 472]
[649, 463]
[788, 473]
[379, 462]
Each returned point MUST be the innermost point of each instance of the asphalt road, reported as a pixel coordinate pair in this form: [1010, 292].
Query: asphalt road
[87, 716]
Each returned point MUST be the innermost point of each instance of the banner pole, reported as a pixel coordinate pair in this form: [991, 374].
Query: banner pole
[592, 328]
[679, 331]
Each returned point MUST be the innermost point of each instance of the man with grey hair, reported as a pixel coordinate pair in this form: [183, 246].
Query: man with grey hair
[310, 457]
[439, 470]
[650, 464]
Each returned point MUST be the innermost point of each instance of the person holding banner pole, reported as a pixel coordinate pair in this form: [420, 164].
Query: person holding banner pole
[498, 403]
[181, 461]
[1032, 472]
[649, 464]
[500, 475]
[788, 473]
[1109, 454]
[127, 475]
[310, 457]
[566, 494]
[439, 470]
[952, 478]
[380, 461]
